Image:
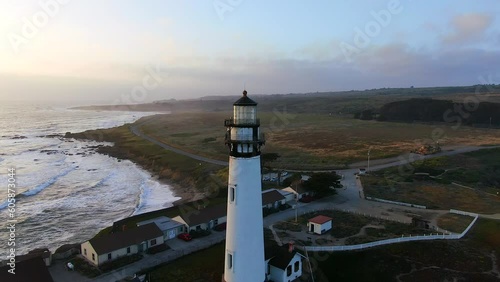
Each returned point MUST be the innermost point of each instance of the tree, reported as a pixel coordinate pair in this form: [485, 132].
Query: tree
[323, 184]
[291, 179]
[268, 158]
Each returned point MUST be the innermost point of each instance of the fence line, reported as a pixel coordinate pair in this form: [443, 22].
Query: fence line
[396, 203]
[333, 208]
[397, 240]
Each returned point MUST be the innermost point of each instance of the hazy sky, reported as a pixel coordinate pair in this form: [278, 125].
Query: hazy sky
[124, 51]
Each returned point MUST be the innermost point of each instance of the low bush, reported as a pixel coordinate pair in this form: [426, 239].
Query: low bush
[157, 249]
[119, 262]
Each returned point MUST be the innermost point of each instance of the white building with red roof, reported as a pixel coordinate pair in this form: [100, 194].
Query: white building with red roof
[319, 224]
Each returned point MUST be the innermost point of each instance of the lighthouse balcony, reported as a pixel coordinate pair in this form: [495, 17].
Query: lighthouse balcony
[242, 122]
[245, 138]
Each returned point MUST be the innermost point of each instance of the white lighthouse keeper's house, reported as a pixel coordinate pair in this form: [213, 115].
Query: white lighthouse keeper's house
[244, 257]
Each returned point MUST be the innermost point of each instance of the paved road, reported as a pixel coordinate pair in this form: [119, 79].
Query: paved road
[135, 129]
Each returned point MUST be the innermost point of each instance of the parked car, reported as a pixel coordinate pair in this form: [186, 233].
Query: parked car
[185, 236]
[306, 199]
[220, 227]
[284, 173]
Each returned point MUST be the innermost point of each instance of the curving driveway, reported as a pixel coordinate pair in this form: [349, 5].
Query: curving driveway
[135, 129]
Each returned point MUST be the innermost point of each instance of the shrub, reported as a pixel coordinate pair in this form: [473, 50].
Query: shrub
[199, 233]
[157, 249]
[119, 262]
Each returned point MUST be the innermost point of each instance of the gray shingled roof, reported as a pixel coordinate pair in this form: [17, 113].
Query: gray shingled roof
[196, 217]
[271, 196]
[30, 270]
[115, 241]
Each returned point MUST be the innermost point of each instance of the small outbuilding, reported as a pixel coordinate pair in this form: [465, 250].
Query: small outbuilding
[319, 224]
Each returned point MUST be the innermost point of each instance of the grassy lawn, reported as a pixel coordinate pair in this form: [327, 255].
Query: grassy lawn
[453, 260]
[477, 171]
[325, 145]
[348, 224]
[206, 265]
[454, 222]
[289, 226]
[436, 196]
[463, 260]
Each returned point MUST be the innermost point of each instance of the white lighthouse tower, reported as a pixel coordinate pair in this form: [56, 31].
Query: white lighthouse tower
[244, 259]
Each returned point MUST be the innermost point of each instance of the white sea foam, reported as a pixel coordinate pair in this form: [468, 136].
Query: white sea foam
[66, 191]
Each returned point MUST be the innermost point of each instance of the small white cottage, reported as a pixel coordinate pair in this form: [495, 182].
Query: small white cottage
[283, 264]
[319, 224]
[99, 250]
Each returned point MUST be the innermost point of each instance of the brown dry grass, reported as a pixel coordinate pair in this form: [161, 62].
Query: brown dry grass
[438, 196]
[307, 141]
[454, 222]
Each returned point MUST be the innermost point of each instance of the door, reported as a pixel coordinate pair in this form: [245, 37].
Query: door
[171, 234]
[311, 227]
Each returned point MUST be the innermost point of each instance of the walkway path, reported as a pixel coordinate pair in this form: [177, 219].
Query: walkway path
[135, 129]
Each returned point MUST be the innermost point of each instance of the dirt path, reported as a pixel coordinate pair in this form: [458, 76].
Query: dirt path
[135, 130]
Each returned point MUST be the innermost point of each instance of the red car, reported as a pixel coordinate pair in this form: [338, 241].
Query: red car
[306, 199]
[185, 236]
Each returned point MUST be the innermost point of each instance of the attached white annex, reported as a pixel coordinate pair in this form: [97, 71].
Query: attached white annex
[244, 254]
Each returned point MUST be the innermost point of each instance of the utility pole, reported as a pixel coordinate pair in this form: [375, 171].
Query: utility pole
[296, 203]
[368, 167]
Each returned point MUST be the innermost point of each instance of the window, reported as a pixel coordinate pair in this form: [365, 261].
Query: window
[232, 195]
[289, 270]
[128, 250]
[153, 242]
[296, 266]
[229, 261]
[85, 252]
[109, 256]
[93, 257]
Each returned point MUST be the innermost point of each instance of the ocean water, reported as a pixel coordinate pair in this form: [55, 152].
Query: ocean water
[65, 192]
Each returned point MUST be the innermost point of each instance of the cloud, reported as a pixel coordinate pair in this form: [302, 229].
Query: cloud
[468, 27]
